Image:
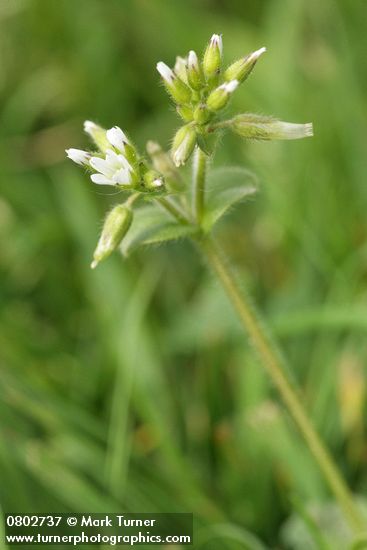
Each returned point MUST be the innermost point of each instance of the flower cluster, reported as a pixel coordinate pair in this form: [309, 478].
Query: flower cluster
[116, 162]
[202, 89]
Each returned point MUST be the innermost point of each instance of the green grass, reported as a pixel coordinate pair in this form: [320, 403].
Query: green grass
[131, 387]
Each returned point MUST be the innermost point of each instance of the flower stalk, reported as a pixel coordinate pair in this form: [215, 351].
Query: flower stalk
[273, 364]
[199, 180]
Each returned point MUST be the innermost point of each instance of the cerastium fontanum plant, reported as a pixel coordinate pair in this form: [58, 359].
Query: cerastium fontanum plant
[160, 206]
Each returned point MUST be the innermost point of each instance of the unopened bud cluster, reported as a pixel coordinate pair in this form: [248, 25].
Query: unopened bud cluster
[116, 162]
[201, 90]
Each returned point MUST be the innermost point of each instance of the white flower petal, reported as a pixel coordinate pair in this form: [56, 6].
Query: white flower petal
[254, 56]
[78, 156]
[290, 130]
[122, 177]
[113, 159]
[165, 72]
[117, 138]
[193, 60]
[230, 86]
[90, 127]
[216, 40]
[158, 182]
[116, 161]
[180, 68]
[102, 166]
[179, 155]
[100, 179]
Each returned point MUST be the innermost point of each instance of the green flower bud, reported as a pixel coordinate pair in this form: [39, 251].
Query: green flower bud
[180, 68]
[194, 74]
[185, 112]
[153, 181]
[183, 144]
[213, 57]
[260, 127]
[115, 227]
[176, 87]
[240, 70]
[98, 135]
[202, 114]
[221, 95]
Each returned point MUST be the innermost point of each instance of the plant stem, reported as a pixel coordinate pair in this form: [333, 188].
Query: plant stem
[174, 210]
[132, 198]
[266, 350]
[199, 177]
[273, 364]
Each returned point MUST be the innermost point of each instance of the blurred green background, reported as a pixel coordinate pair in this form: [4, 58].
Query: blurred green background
[131, 388]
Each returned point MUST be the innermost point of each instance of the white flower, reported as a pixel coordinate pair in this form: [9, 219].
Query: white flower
[254, 56]
[78, 156]
[175, 86]
[229, 87]
[193, 60]
[158, 182]
[216, 41]
[98, 135]
[180, 68]
[221, 95]
[241, 69]
[166, 73]
[117, 138]
[113, 170]
[90, 127]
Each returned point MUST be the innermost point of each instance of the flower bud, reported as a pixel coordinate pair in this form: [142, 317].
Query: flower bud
[180, 68]
[260, 127]
[176, 87]
[98, 135]
[221, 95]
[118, 139]
[115, 227]
[183, 144]
[78, 156]
[194, 74]
[240, 70]
[202, 114]
[213, 57]
[153, 181]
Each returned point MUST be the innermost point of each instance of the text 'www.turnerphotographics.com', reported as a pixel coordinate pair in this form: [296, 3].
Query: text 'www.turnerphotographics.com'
[110, 529]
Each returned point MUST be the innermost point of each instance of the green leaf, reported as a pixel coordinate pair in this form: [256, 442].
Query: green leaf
[151, 225]
[225, 187]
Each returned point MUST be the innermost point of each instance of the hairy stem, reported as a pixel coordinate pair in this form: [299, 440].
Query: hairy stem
[275, 368]
[199, 177]
[132, 198]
